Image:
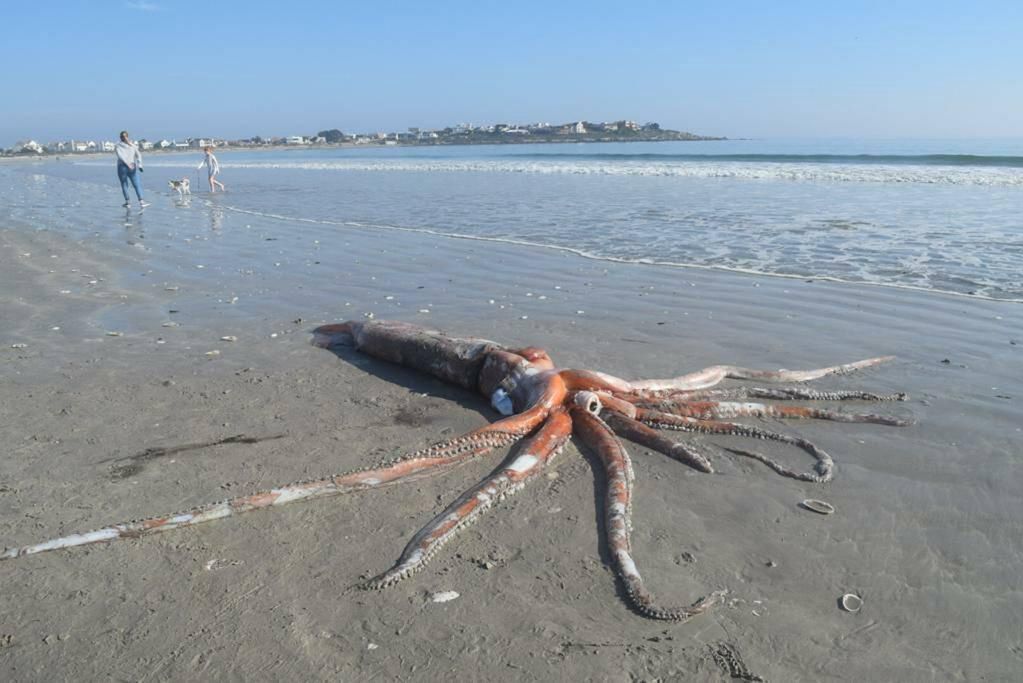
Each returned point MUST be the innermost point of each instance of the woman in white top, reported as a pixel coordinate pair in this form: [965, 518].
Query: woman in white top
[129, 165]
[213, 168]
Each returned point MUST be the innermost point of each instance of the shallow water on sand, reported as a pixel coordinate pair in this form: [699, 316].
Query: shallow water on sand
[934, 216]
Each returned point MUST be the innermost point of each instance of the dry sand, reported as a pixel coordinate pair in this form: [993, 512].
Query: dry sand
[927, 528]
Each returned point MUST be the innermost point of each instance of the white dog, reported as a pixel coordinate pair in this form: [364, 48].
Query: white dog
[181, 186]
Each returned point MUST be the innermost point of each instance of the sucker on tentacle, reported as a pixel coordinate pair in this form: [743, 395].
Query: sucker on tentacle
[717, 410]
[824, 466]
[546, 404]
[781, 394]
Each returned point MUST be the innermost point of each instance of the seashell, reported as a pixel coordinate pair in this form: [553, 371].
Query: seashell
[851, 602]
[115, 334]
[443, 596]
[230, 338]
[169, 324]
[214, 352]
[19, 346]
[818, 506]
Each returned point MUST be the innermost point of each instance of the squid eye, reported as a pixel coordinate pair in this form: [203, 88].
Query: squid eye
[502, 402]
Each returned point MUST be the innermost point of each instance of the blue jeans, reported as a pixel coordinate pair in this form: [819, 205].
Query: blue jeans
[124, 174]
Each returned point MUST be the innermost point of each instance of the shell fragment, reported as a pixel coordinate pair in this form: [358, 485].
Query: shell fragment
[851, 602]
[818, 506]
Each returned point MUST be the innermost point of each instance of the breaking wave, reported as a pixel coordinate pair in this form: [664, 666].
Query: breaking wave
[933, 169]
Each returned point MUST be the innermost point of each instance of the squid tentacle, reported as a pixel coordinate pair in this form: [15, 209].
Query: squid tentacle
[618, 506]
[645, 436]
[824, 465]
[713, 375]
[710, 410]
[506, 480]
[783, 394]
[425, 462]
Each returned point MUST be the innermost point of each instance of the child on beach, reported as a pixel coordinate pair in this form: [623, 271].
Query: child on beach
[213, 168]
[129, 165]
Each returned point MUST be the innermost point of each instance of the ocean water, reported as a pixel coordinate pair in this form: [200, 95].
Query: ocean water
[940, 215]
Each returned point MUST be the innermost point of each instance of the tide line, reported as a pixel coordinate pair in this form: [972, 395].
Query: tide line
[614, 259]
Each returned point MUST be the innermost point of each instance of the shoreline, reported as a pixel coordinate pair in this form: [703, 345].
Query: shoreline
[380, 145]
[267, 586]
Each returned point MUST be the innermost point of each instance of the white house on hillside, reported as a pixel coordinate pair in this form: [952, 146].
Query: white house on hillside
[106, 146]
[294, 140]
[28, 147]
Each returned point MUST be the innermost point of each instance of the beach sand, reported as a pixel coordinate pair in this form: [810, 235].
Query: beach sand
[927, 526]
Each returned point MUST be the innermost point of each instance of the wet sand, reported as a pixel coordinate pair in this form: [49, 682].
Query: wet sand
[927, 525]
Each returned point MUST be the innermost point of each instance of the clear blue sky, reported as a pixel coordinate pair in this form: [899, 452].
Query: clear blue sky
[173, 68]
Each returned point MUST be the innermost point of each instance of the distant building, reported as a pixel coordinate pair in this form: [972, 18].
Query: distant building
[579, 128]
[106, 146]
[145, 144]
[295, 140]
[163, 144]
[28, 147]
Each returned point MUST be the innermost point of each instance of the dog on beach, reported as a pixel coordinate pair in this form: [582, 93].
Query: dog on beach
[180, 186]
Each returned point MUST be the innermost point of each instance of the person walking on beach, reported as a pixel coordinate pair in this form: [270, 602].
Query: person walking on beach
[213, 168]
[129, 165]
